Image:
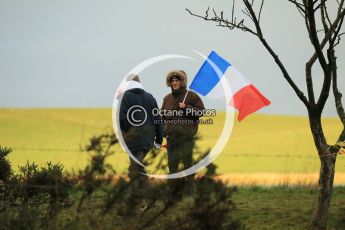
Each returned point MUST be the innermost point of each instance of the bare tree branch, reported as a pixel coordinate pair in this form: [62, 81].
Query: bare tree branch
[337, 96]
[336, 33]
[323, 18]
[258, 33]
[246, 12]
[310, 63]
[309, 82]
[250, 9]
[313, 36]
[262, 4]
[328, 78]
[329, 34]
[319, 47]
[224, 23]
[300, 6]
[233, 11]
[320, 5]
[338, 41]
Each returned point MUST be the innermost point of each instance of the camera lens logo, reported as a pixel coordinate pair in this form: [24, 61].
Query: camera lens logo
[136, 115]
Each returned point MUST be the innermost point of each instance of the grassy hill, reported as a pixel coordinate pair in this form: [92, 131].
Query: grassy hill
[259, 144]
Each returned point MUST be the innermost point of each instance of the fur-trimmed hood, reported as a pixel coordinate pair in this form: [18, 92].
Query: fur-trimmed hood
[179, 73]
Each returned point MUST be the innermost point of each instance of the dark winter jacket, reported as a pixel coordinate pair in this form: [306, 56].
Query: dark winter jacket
[139, 129]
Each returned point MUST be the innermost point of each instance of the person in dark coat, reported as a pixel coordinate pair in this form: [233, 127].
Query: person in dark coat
[179, 130]
[141, 130]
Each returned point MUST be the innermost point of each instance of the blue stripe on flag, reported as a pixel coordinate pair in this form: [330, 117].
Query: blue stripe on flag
[206, 78]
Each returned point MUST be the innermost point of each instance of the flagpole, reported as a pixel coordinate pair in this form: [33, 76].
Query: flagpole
[185, 96]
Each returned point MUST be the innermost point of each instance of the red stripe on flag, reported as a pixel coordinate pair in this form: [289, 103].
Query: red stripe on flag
[248, 100]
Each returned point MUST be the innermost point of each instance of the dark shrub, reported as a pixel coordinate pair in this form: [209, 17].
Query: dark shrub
[5, 166]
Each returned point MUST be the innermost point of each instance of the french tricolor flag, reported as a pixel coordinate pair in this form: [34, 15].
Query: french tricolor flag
[245, 97]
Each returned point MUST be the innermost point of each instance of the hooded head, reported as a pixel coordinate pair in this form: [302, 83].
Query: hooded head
[133, 77]
[177, 74]
[132, 82]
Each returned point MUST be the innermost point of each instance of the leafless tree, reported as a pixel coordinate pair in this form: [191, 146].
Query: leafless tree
[324, 42]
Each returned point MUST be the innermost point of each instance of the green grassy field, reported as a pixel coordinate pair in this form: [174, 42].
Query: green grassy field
[256, 208]
[259, 144]
[284, 208]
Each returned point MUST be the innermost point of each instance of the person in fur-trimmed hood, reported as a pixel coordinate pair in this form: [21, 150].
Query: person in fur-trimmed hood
[180, 130]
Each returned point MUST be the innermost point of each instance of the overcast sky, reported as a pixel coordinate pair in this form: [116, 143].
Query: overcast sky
[74, 53]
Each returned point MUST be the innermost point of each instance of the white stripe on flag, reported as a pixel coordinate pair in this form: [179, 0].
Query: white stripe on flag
[235, 80]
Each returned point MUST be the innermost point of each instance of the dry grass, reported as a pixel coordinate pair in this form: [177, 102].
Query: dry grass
[276, 179]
